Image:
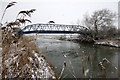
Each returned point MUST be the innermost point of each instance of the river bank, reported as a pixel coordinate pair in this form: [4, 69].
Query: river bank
[111, 42]
[22, 59]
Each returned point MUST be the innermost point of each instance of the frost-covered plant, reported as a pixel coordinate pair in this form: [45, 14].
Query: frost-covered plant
[20, 56]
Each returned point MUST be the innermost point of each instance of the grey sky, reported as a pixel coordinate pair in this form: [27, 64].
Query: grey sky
[60, 11]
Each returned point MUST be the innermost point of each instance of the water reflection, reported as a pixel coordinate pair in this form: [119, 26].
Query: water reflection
[82, 59]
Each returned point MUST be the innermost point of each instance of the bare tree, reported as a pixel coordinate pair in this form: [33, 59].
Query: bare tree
[100, 20]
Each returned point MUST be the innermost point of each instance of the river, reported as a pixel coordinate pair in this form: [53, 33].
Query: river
[82, 60]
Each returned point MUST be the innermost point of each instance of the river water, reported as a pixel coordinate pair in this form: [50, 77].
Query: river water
[82, 60]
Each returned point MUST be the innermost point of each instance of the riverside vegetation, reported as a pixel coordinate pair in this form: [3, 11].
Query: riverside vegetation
[20, 56]
[101, 25]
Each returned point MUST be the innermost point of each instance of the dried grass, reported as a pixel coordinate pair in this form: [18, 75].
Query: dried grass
[20, 56]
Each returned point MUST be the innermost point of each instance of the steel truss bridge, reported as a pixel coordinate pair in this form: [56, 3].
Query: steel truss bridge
[55, 29]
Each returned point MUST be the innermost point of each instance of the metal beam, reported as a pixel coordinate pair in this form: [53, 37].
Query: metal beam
[49, 32]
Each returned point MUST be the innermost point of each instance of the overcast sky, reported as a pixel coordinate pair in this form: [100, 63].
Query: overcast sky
[60, 11]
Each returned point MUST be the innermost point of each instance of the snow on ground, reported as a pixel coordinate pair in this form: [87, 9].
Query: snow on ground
[108, 42]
